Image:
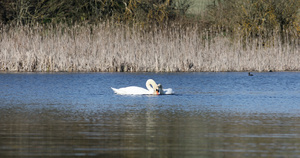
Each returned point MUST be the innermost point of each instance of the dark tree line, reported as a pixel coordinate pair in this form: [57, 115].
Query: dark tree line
[249, 17]
[70, 11]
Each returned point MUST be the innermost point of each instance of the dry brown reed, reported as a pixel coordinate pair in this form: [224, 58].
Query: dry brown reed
[116, 48]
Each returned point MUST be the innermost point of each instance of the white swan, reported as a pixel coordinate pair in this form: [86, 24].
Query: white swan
[152, 88]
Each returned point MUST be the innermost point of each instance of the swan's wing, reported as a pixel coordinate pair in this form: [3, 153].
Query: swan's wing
[168, 91]
[132, 90]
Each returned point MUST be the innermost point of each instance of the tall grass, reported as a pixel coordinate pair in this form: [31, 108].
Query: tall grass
[109, 47]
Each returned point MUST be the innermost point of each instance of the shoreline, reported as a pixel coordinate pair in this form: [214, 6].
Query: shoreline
[63, 73]
[94, 72]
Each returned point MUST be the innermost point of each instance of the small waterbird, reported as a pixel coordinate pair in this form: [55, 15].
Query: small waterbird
[249, 74]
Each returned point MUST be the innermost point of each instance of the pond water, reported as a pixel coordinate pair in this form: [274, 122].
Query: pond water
[210, 115]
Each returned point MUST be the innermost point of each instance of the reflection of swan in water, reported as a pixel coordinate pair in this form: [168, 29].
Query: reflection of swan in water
[152, 88]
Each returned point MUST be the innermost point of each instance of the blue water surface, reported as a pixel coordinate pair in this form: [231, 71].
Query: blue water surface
[210, 115]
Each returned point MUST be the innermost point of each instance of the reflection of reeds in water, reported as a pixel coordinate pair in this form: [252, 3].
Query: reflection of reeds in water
[109, 48]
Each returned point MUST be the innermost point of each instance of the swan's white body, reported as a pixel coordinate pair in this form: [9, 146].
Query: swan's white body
[152, 88]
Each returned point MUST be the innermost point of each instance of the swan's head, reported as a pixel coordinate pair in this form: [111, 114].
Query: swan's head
[159, 89]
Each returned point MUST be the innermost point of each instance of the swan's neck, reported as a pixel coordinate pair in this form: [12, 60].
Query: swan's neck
[151, 86]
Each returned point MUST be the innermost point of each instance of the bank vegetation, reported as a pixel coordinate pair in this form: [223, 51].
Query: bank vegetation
[149, 36]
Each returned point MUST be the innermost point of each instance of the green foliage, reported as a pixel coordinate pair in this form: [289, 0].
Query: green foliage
[245, 18]
[256, 17]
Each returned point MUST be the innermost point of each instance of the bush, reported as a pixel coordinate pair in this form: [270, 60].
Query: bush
[256, 17]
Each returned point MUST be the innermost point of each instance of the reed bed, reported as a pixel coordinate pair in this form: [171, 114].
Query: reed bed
[116, 48]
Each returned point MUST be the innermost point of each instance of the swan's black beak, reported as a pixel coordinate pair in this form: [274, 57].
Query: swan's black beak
[157, 91]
